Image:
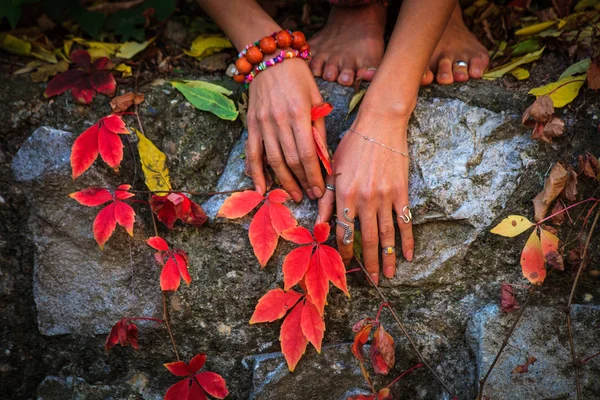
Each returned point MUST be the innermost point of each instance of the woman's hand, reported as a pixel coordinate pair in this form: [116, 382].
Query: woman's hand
[279, 117]
[371, 181]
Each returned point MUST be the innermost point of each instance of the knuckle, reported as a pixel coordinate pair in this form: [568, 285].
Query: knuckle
[307, 155]
[262, 116]
[369, 239]
[367, 193]
[293, 160]
[274, 161]
[296, 111]
[252, 154]
[278, 115]
[346, 193]
[386, 232]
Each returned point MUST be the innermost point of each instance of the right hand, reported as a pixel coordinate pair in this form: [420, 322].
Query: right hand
[281, 98]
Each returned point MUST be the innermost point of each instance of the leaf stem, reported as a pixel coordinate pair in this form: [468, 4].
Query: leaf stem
[404, 373]
[401, 326]
[566, 208]
[166, 318]
[586, 360]
[379, 312]
[160, 321]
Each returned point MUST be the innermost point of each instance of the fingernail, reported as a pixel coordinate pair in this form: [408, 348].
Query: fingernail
[310, 194]
[297, 196]
[389, 272]
[317, 192]
[409, 255]
[318, 219]
[375, 278]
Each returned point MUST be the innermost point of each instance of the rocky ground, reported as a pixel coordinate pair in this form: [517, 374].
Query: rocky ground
[473, 164]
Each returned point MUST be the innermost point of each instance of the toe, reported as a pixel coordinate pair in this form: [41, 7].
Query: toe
[366, 74]
[330, 71]
[316, 65]
[347, 69]
[476, 68]
[427, 78]
[461, 73]
[444, 73]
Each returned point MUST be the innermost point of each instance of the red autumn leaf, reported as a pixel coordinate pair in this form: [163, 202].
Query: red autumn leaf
[178, 368]
[508, 302]
[213, 384]
[532, 260]
[549, 243]
[313, 325]
[359, 341]
[322, 150]
[197, 362]
[85, 79]
[174, 263]
[364, 397]
[320, 110]
[267, 224]
[384, 394]
[358, 326]
[101, 138]
[274, 305]
[293, 341]
[115, 213]
[124, 333]
[174, 206]
[325, 264]
[196, 385]
[521, 369]
[383, 355]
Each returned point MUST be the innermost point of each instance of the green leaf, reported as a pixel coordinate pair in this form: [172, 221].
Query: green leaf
[162, 8]
[208, 100]
[355, 100]
[580, 67]
[503, 69]
[562, 92]
[91, 22]
[209, 86]
[526, 47]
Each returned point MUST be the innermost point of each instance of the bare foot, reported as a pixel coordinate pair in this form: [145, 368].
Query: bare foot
[350, 45]
[458, 44]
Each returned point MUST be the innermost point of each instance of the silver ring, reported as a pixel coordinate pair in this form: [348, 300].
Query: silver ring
[346, 217]
[348, 232]
[406, 215]
[461, 63]
[330, 187]
[388, 250]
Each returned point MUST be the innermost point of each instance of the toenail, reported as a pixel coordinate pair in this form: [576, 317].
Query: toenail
[372, 69]
[328, 75]
[345, 78]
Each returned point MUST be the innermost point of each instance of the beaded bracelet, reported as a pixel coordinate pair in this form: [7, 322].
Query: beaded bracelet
[283, 55]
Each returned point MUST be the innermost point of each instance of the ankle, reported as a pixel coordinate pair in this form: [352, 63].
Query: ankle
[371, 14]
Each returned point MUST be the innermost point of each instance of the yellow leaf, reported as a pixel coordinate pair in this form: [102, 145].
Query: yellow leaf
[125, 69]
[536, 28]
[562, 92]
[503, 69]
[355, 100]
[520, 73]
[109, 48]
[512, 226]
[67, 45]
[14, 45]
[583, 4]
[98, 52]
[46, 71]
[209, 86]
[154, 165]
[204, 45]
[30, 66]
[130, 49]
[43, 54]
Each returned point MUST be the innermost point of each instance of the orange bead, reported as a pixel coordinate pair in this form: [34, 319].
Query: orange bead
[267, 45]
[243, 66]
[284, 39]
[306, 47]
[239, 78]
[298, 40]
[254, 55]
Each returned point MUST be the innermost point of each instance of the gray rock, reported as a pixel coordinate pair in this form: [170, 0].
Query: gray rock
[46, 151]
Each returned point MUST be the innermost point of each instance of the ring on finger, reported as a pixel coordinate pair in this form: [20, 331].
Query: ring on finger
[406, 215]
[347, 217]
[389, 250]
[329, 186]
[348, 232]
[461, 63]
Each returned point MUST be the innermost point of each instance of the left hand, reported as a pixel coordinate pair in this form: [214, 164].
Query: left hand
[371, 182]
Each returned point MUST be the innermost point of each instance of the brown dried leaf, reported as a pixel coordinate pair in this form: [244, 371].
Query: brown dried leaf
[555, 260]
[122, 103]
[554, 185]
[508, 302]
[521, 369]
[540, 111]
[552, 129]
[593, 75]
[570, 191]
[589, 165]
[558, 219]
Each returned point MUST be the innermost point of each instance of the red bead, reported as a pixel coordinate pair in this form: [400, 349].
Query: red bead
[298, 40]
[254, 55]
[284, 39]
[239, 78]
[267, 45]
[306, 47]
[243, 66]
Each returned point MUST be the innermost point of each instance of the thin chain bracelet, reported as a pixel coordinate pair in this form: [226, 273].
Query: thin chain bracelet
[379, 143]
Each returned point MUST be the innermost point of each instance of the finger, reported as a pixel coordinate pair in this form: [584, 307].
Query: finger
[326, 202]
[344, 247]
[460, 71]
[370, 242]
[254, 155]
[385, 221]
[308, 153]
[277, 162]
[290, 152]
[405, 227]
[444, 73]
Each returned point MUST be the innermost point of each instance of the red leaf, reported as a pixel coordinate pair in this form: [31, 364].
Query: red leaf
[197, 362]
[263, 236]
[104, 224]
[278, 196]
[121, 193]
[158, 243]
[317, 283]
[322, 150]
[125, 216]
[179, 391]
[178, 368]
[521, 369]
[239, 204]
[110, 147]
[196, 392]
[293, 341]
[62, 82]
[298, 235]
[112, 338]
[169, 277]
[508, 302]
[183, 268]
[313, 325]
[103, 82]
[333, 266]
[92, 197]
[359, 341]
[82, 96]
[364, 397]
[384, 394]
[281, 217]
[213, 384]
[176, 206]
[115, 124]
[320, 110]
[123, 332]
[132, 335]
[549, 244]
[359, 325]
[81, 58]
[321, 232]
[382, 351]
[295, 265]
[532, 260]
[84, 151]
[273, 305]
